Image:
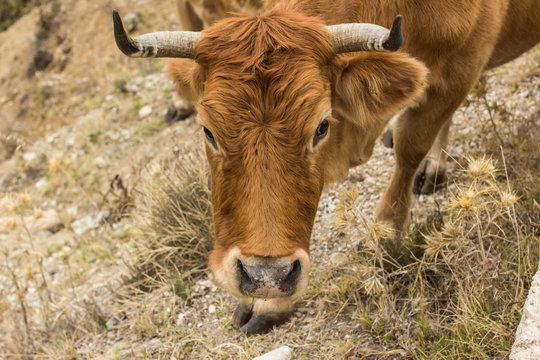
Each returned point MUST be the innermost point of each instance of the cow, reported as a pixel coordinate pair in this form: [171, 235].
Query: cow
[196, 15]
[289, 100]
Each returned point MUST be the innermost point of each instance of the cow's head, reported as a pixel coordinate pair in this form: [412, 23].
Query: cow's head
[282, 114]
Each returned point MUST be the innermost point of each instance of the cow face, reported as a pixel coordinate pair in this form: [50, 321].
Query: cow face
[266, 114]
[281, 115]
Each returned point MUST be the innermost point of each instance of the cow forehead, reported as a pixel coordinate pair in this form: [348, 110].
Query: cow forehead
[286, 92]
[252, 41]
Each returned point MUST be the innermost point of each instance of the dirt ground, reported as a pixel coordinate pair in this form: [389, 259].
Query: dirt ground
[82, 139]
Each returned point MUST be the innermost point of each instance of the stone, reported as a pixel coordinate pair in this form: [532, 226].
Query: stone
[40, 185]
[47, 220]
[84, 224]
[180, 320]
[131, 22]
[282, 353]
[100, 162]
[338, 258]
[145, 111]
[29, 156]
[527, 340]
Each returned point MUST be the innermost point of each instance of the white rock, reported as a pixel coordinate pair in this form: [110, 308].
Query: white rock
[206, 284]
[527, 346]
[84, 224]
[283, 353]
[100, 161]
[41, 184]
[145, 111]
[338, 258]
[29, 156]
[131, 21]
[212, 309]
[120, 232]
[180, 319]
[331, 207]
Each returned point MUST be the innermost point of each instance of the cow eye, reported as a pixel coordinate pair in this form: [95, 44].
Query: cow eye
[321, 132]
[210, 137]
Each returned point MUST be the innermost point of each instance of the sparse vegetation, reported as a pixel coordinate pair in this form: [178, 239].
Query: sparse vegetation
[11, 10]
[9, 144]
[460, 296]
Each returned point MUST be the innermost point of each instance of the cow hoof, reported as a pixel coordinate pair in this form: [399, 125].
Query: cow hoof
[428, 182]
[252, 324]
[259, 324]
[241, 315]
[178, 114]
[388, 139]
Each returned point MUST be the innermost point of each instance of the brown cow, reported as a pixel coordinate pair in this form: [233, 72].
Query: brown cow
[196, 15]
[286, 110]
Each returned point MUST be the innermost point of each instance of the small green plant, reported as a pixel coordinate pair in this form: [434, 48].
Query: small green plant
[11, 10]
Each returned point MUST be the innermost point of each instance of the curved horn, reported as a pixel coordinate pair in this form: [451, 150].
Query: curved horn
[175, 44]
[366, 37]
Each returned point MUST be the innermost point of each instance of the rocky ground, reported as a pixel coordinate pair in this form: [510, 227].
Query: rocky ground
[81, 138]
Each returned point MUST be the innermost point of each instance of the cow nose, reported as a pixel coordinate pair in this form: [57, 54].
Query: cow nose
[268, 280]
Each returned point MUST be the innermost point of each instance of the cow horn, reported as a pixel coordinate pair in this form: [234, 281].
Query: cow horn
[175, 44]
[366, 37]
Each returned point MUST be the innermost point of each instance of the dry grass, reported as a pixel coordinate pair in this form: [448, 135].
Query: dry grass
[176, 222]
[456, 288]
[9, 144]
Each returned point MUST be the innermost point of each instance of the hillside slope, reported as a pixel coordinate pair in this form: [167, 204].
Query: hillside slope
[85, 152]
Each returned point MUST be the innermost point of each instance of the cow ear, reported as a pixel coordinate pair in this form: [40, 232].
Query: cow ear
[375, 86]
[189, 78]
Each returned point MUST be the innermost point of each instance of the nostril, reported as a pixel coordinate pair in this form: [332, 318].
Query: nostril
[245, 280]
[292, 278]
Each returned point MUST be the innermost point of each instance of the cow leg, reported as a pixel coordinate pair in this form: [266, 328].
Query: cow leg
[388, 137]
[191, 21]
[179, 109]
[241, 315]
[414, 134]
[431, 175]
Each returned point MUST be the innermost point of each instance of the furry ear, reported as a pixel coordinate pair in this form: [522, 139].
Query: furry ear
[189, 78]
[374, 86]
